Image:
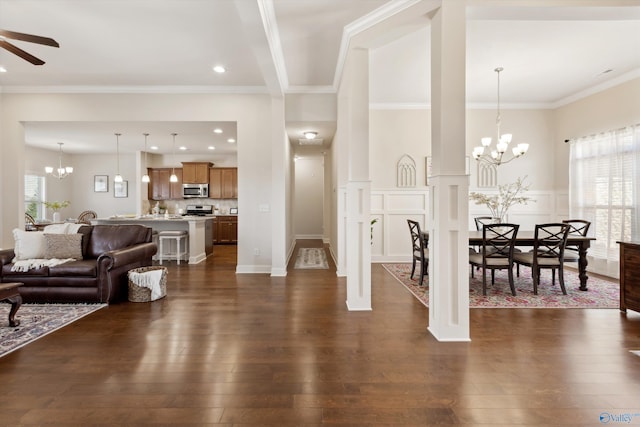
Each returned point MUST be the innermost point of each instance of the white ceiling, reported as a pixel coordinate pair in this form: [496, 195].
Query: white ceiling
[550, 54]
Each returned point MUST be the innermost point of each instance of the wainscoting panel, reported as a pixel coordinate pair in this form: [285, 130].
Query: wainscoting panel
[405, 202]
[392, 208]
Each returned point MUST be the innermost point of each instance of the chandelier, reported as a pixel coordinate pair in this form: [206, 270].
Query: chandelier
[496, 156]
[60, 172]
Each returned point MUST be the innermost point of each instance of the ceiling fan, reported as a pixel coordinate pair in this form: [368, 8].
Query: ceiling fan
[4, 35]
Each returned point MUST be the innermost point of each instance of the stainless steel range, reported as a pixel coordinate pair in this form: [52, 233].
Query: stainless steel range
[199, 210]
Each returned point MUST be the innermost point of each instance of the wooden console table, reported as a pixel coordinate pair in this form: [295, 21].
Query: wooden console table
[9, 292]
[629, 276]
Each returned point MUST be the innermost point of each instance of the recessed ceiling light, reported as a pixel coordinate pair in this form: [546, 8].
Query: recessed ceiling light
[310, 134]
[231, 140]
[217, 130]
[153, 147]
[219, 69]
[183, 148]
[211, 147]
[2, 69]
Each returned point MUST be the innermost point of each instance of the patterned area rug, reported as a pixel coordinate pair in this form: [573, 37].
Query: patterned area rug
[601, 293]
[38, 320]
[311, 258]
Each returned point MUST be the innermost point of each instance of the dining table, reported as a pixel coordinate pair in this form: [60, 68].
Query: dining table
[527, 238]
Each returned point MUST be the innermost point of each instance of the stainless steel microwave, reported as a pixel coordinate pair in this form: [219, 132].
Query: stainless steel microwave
[195, 190]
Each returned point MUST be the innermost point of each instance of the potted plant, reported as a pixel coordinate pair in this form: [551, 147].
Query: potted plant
[55, 207]
[508, 195]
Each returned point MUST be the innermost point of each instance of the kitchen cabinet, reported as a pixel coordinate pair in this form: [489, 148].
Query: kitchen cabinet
[208, 235]
[160, 188]
[223, 183]
[226, 229]
[195, 172]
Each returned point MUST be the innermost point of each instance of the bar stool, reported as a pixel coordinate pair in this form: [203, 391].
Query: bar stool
[179, 236]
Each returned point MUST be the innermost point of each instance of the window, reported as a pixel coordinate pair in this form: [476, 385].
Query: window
[34, 195]
[605, 186]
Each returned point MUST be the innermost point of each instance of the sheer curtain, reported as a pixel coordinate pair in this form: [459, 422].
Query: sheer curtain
[604, 188]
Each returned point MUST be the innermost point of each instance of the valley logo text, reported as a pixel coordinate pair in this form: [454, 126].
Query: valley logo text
[626, 418]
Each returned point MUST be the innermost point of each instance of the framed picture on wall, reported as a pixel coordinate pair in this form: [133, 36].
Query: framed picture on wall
[121, 189]
[101, 183]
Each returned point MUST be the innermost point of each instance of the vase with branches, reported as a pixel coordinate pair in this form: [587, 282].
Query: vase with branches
[508, 195]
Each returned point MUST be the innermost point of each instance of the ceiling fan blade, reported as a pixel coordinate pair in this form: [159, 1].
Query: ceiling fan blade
[21, 53]
[29, 38]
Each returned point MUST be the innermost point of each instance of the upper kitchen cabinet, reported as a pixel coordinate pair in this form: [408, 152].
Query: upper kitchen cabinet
[223, 183]
[195, 172]
[160, 188]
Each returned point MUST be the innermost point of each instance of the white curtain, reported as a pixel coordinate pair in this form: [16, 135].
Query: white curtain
[604, 188]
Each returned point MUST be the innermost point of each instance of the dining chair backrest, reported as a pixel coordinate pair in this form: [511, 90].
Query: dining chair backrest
[86, 217]
[550, 240]
[417, 243]
[579, 227]
[498, 240]
[29, 222]
[482, 220]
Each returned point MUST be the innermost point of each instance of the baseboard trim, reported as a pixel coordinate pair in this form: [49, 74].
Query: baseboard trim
[253, 269]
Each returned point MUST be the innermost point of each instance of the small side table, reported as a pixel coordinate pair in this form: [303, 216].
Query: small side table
[9, 292]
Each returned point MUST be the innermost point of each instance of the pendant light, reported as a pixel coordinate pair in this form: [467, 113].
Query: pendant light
[173, 177]
[145, 177]
[118, 177]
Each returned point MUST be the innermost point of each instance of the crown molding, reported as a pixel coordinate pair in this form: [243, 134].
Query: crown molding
[469, 106]
[631, 75]
[240, 90]
[361, 24]
[311, 89]
[270, 24]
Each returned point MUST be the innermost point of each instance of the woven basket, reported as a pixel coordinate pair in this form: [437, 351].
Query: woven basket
[142, 294]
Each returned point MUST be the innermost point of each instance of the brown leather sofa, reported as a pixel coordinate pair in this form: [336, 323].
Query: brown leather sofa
[109, 252]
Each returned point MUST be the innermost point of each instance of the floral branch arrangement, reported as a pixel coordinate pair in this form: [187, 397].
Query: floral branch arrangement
[508, 195]
[56, 206]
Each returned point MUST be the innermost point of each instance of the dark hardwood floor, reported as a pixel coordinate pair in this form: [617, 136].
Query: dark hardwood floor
[227, 349]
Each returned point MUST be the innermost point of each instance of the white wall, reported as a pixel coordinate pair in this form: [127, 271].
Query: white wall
[308, 197]
[613, 108]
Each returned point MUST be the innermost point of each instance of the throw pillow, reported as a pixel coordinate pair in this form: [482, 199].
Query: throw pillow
[28, 244]
[57, 228]
[63, 246]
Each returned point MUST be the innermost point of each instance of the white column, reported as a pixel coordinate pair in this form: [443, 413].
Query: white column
[358, 184]
[280, 176]
[449, 186]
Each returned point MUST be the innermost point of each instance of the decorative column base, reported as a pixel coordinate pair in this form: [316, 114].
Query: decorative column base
[449, 258]
[358, 246]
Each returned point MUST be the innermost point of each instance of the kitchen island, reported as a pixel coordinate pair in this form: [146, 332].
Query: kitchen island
[198, 227]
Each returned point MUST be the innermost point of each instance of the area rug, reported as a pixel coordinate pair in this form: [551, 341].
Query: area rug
[38, 320]
[601, 294]
[311, 258]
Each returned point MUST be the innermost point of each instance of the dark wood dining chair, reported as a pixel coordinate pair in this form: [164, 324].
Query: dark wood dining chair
[548, 252]
[419, 250]
[29, 223]
[482, 220]
[578, 227]
[85, 217]
[496, 252]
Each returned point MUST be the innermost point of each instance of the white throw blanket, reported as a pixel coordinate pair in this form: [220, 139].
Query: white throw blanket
[149, 279]
[27, 264]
